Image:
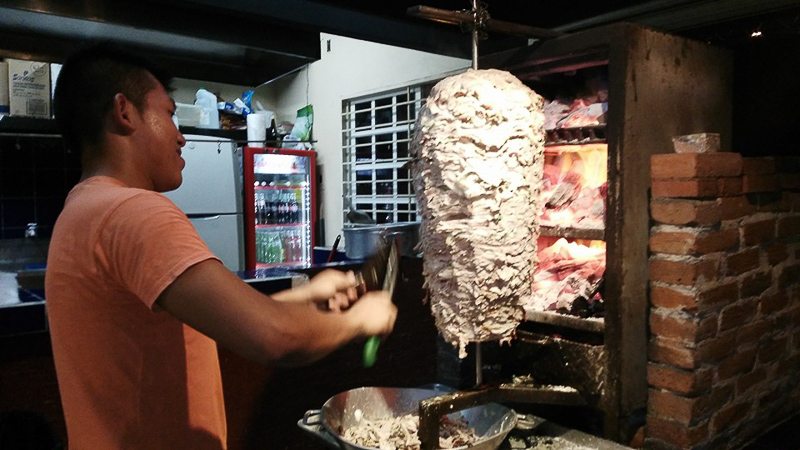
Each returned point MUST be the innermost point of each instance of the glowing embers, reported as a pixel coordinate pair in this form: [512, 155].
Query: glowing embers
[575, 186]
[568, 277]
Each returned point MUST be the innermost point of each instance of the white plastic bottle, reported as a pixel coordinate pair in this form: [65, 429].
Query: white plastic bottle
[209, 117]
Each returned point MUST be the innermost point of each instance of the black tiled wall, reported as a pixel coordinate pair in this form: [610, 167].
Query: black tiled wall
[36, 173]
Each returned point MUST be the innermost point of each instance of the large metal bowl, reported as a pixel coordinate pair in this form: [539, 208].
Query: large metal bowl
[491, 422]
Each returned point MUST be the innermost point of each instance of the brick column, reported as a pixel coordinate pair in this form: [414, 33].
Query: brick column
[724, 347]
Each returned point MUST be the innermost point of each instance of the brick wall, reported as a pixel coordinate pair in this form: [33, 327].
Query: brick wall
[724, 347]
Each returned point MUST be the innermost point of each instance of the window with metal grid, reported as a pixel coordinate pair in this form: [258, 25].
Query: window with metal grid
[376, 132]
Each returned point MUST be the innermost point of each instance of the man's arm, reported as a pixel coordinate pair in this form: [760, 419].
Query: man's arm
[211, 299]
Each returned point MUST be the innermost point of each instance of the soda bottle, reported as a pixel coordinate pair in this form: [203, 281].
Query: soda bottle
[294, 208]
[260, 247]
[269, 249]
[286, 241]
[283, 209]
[267, 211]
[279, 255]
[255, 210]
[297, 248]
[261, 209]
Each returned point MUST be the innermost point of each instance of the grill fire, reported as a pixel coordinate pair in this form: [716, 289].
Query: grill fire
[569, 275]
[575, 186]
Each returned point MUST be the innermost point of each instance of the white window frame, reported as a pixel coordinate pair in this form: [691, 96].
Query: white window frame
[383, 208]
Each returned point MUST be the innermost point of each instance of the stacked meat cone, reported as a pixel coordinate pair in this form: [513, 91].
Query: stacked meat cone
[477, 161]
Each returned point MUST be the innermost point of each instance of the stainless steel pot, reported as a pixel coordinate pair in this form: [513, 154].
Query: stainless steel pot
[492, 422]
[361, 241]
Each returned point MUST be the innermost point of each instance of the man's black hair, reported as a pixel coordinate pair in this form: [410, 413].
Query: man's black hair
[87, 84]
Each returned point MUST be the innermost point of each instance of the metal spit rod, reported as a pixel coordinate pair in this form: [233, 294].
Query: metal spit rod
[478, 365]
[476, 23]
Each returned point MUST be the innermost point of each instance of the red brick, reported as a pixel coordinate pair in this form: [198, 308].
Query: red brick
[755, 283]
[789, 365]
[747, 381]
[789, 181]
[683, 272]
[717, 241]
[776, 253]
[790, 276]
[752, 332]
[772, 398]
[675, 433]
[729, 416]
[791, 201]
[685, 212]
[677, 380]
[734, 207]
[676, 243]
[789, 227]
[693, 243]
[717, 348]
[739, 362]
[723, 294]
[755, 233]
[766, 201]
[742, 262]
[695, 165]
[672, 327]
[712, 402]
[674, 407]
[785, 319]
[759, 183]
[729, 186]
[771, 350]
[758, 166]
[772, 303]
[664, 297]
[690, 188]
[707, 328]
[737, 314]
[671, 352]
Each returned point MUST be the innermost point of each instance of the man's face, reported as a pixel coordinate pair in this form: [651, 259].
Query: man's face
[162, 141]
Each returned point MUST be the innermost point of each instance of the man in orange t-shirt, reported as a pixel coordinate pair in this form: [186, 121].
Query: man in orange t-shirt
[136, 301]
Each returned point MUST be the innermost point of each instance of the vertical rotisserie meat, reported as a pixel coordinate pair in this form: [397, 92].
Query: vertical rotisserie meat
[477, 163]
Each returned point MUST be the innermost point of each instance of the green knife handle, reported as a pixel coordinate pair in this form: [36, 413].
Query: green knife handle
[371, 350]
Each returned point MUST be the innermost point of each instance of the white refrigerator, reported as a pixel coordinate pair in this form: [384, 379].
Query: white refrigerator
[211, 196]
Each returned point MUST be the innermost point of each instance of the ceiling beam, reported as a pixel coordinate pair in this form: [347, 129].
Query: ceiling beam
[310, 15]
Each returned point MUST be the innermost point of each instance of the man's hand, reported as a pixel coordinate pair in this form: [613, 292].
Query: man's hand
[333, 289]
[375, 312]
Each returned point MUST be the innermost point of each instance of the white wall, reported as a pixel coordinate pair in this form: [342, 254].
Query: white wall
[350, 69]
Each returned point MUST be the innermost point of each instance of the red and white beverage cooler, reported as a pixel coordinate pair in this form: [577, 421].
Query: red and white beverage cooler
[279, 215]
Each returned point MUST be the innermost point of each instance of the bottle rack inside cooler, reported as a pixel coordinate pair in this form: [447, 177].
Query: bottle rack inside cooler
[281, 224]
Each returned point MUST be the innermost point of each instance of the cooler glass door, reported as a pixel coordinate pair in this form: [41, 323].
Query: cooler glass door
[279, 194]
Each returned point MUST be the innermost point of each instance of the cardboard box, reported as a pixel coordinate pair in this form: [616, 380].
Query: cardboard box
[29, 88]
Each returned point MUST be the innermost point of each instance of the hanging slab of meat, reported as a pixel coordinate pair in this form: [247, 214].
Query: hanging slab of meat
[477, 164]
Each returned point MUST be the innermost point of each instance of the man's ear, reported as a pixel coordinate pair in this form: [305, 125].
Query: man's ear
[124, 114]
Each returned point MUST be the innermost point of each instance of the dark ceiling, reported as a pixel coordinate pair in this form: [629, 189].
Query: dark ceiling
[724, 22]
[253, 41]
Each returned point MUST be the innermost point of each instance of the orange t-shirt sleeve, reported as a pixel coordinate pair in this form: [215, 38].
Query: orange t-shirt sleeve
[147, 243]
